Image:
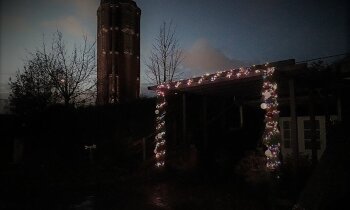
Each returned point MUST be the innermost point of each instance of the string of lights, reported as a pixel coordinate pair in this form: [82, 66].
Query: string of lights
[160, 148]
[269, 93]
[271, 136]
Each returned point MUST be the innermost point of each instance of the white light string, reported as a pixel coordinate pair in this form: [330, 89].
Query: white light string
[271, 134]
[160, 147]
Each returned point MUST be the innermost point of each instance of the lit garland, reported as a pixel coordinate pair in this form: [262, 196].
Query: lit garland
[160, 112]
[208, 78]
[271, 136]
[160, 140]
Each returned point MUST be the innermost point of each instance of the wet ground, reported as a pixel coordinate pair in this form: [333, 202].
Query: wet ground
[165, 195]
[152, 192]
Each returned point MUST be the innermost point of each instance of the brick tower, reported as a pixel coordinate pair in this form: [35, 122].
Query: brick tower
[118, 51]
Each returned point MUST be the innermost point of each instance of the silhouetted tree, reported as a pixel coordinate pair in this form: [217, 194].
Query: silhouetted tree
[55, 75]
[166, 56]
[32, 90]
[73, 74]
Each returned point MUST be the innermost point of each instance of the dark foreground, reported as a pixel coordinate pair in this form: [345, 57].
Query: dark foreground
[94, 189]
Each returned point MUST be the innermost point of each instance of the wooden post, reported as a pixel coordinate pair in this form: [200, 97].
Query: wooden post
[325, 101]
[313, 127]
[241, 115]
[91, 157]
[223, 116]
[144, 149]
[293, 120]
[339, 108]
[175, 140]
[17, 150]
[184, 125]
[204, 123]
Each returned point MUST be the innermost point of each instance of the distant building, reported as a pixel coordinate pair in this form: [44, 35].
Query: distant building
[118, 51]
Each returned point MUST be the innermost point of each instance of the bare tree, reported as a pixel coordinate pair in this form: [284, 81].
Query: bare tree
[166, 56]
[56, 74]
[31, 91]
[73, 75]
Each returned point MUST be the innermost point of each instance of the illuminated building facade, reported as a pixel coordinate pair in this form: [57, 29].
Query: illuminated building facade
[118, 51]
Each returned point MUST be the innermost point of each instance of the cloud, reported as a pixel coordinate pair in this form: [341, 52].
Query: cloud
[68, 24]
[78, 22]
[83, 8]
[86, 8]
[15, 23]
[202, 57]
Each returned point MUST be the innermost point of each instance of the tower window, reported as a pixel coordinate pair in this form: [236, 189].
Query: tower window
[128, 16]
[128, 43]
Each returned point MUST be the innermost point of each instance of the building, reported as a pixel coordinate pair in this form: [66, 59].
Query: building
[118, 51]
[224, 112]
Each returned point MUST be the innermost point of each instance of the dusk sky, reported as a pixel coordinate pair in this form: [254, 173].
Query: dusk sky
[215, 34]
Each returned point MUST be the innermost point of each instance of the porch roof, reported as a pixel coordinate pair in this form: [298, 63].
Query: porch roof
[247, 86]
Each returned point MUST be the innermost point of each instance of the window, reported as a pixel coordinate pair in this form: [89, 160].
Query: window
[286, 134]
[308, 134]
[304, 135]
[115, 82]
[104, 41]
[307, 124]
[104, 19]
[308, 144]
[113, 88]
[128, 16]
[128, 43]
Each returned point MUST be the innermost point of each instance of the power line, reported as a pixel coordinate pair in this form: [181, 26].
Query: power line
[314, 59]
